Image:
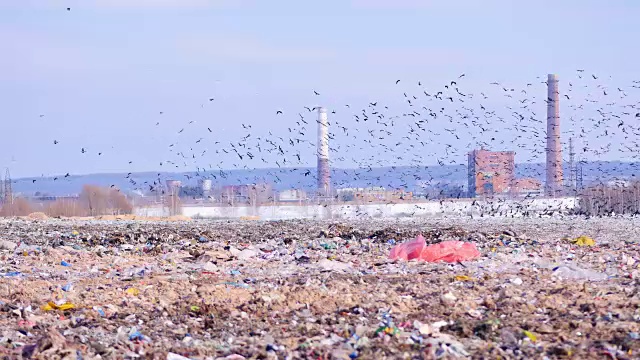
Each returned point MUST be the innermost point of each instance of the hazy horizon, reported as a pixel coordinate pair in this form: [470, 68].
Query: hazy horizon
[525, 164]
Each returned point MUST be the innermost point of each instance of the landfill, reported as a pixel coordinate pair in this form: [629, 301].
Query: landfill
[541, 288]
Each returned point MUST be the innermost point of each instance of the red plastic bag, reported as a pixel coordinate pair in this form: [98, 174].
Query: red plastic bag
[450, 251]
[447, 251]
[409, 250]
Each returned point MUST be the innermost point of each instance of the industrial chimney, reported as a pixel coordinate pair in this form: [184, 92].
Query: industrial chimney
[323, 153]
[553, 186]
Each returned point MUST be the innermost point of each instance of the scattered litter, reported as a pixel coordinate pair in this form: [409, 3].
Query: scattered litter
[318, 289]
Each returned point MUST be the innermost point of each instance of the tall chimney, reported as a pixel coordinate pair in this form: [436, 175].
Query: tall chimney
[323, 153]
[553, 186]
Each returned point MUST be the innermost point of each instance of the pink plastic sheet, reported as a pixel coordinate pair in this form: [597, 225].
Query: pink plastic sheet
[447, 251]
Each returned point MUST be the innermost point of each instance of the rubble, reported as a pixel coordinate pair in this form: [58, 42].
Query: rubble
[120, 288]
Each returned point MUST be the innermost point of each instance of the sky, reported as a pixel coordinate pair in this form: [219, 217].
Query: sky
[102, 75]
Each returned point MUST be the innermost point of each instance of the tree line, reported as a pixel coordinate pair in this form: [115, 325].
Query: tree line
[604, 200]
[92, 201]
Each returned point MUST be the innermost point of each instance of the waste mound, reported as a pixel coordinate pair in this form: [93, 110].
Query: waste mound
[446, 251]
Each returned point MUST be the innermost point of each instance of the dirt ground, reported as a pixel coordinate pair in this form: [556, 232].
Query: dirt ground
[118, 288]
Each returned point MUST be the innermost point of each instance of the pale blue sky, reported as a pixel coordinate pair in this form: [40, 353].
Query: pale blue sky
[101, 73]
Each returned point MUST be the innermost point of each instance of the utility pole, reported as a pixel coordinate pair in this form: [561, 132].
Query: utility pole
[8, 192]
[579, 177]
[573, 170]
[1, 191]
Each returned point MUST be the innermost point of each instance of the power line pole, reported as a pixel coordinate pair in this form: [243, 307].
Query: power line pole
[579, 178]
[573, 170]
[1, 191]
[8, 192]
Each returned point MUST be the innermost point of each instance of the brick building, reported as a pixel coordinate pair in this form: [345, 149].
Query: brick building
[490, 172]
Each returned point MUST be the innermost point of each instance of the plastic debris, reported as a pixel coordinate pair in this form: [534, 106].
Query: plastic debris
[135, 335]
[64, 263]
[571, 272]
[8, 245]
[446, 251]
[530, 335]
[133, 291]
[463, 278]
[174, 356]
[333, 265]
[448, 298]
[11, 274]
[62, 307]
[584, 241]
[99, 311]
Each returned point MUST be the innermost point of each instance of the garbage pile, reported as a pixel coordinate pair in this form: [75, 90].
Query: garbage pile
[532, 288]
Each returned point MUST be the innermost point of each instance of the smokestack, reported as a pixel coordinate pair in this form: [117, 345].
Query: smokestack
[553, 186]
[323, 153]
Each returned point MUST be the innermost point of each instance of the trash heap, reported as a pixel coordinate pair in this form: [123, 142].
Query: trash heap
[530, 288]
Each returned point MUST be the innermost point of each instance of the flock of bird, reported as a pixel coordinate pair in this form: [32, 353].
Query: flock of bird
[425, 124]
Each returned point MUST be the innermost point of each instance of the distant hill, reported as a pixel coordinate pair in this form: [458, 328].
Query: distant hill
[287, 178]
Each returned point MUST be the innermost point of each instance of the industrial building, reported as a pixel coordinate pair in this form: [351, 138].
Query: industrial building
[373, 194]
[173, 185]
[526, 187]
[490, 172]
[249, 194]
[205, 185]
[292, 195]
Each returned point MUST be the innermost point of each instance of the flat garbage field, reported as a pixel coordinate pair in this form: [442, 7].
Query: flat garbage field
[98, 289]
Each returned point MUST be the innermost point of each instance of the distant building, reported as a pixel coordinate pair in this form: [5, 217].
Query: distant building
[206, 185]
[249, 194]
[292, 195]
[373, 194]
[46, 198]
[441, 190]
[618, 183]
[527, 187]
[490, 172]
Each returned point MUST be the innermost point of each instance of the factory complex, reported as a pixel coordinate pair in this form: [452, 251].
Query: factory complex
[490, 174]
